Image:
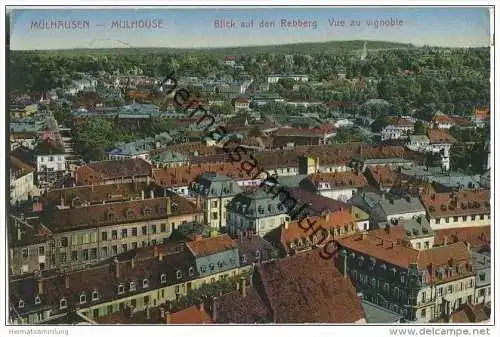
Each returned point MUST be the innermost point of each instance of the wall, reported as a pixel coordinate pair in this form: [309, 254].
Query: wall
[470, 221]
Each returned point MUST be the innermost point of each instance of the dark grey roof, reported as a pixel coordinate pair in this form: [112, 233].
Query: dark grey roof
[377, 314]
[481, 263]
[213, 185]
[256, 204]
[416, 227]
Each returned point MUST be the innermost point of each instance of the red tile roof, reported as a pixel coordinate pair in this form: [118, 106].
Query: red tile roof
[437, 136]
[476, 236]
[469, 313]
[233, 307]
[115, 169]
[306, 288]
[208, 246]
[461, 203]
[191, 315]
[442, 119]
[482, 113]
[349, 179]
[383, 175]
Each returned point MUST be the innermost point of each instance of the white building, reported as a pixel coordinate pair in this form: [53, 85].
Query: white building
[257, 211]
[22, 181]
[276, 77]
[50, 162]
[401, 129]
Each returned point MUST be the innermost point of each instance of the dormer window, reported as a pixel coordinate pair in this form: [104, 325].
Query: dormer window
[211, 266]
[257, 254]
[121, 289]
[243, 258]
[129, 213]
[191, 271]
[163, 278]
[95, 295]
[145, 283]
[147, 211]
[21, 304]
[132, 286]
[38, 300]
[83, 298]
[203, 268]
[63, 304]
[178, 274]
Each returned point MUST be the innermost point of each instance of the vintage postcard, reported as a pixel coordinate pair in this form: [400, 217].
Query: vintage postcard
[249, 165]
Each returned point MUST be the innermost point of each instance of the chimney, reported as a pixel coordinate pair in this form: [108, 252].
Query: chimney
[445, 240]
[155, 251]
[169, 206]
[132, 263]
[160, 256]
[387, 228]
[117, 267]
[162, 312]
[62, 200]
[152, 194]
[40, 286]
[142, 195]
[468, 245]
[167, 317]
[202, 306]
[327, 216]
[363, 236]
[237, 286]
[66, 281]
[243, 287]
[286, 224]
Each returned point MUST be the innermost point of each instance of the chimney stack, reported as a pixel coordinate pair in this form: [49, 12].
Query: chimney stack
[468, 245]
[162, 312]
[152, 194]
[66, 281]
[117, 267]
[132, 263]
[40, 286]
[160, 256]
[155, 251]
[445, 240]
[142, 195]
[62, 199]
[169, 206]
[363, 236]
[243, 287]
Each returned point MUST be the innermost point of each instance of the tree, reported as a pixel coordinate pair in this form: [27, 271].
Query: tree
[419, 128]
[93, 138]
[380, 123]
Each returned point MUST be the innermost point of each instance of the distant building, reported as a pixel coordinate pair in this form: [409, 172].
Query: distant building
[22, 181]
[215, 192]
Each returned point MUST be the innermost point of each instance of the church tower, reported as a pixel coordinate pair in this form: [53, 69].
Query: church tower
[364, 54]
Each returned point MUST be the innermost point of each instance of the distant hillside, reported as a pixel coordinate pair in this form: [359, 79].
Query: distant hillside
[331, 47]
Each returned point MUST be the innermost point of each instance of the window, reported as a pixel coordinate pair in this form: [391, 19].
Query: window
[153, 229]
[132, 286]
[177, 289]
[63, 304]
[124, 247]
[83, 298]
[21, 304]
[214, 216]
[145, 283]
[104, 236]
[144, 230]
[386, 287]
[25, 252]
[418, 245]
[163, 227]
[41, 250]
[95, 295]
[464, 218]
[455, 219]
[64, 242]
[74, 255]
[51, 158]
[426, 244]
[38, 300]
[374, 282]
[422, 313]
[243, 258]
[450, 289]
[146, 300]
[257, 254]
[440, 291]
[93, 253]
[114, 250]
[482, 292]
[191, 271]
[423, 297]
[214, 203]
[62, 257]
[134, 245]
[114, 234]
[178, 274]
[124, 233]
[447, 221]
[482, 276]
[121, 289]
[133, 302]
[134, 231]
[163, 278]
[481, 217]
[85, 254]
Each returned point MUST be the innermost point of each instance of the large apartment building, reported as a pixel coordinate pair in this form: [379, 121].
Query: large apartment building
[73, 237]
